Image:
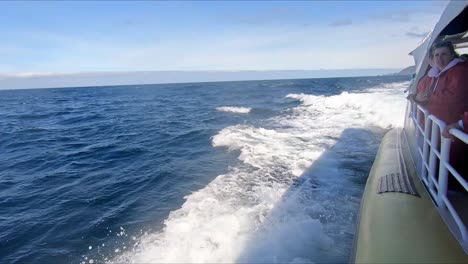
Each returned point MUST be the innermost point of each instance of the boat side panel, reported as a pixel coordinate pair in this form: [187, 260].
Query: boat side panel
[397, 227]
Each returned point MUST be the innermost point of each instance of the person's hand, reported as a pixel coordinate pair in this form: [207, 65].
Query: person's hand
[446, 133]
[423, 96]
[410, 97]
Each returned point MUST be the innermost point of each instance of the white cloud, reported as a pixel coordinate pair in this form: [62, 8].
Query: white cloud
[394, 16]
[342, 22]
[31, 74]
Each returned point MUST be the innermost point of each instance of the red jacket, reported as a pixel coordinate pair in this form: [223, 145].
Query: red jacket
[450, 99]
[424, 84]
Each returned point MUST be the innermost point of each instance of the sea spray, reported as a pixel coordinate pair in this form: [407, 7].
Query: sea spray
[292, 199]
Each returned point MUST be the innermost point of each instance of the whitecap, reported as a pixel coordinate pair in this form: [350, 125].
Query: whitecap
[233, 109]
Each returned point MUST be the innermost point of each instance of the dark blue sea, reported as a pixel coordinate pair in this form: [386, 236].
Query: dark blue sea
[255, 171]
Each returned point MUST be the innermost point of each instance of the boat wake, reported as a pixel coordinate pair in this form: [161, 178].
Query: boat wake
[295, 196]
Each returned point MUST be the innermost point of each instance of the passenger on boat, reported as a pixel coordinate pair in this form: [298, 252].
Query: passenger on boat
[448, 97]
[460, 124]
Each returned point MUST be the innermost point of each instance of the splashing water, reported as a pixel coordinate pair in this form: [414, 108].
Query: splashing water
[294, 198]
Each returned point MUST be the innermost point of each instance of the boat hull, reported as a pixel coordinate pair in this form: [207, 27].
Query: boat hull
[396, 227]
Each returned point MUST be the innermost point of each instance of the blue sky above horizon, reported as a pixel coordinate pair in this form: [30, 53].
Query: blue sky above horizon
[86, 36]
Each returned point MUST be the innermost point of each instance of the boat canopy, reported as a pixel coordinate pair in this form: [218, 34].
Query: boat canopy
[452, 25]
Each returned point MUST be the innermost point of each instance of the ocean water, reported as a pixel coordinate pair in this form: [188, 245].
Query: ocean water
[227, 172]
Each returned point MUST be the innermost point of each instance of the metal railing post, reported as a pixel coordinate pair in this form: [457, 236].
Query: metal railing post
[443, 172]
[433, 156]
[427, 139]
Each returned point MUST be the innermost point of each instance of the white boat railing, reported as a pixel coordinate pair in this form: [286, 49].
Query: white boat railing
[434, 157]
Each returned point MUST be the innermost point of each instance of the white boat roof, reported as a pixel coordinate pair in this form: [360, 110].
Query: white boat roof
[420, 54]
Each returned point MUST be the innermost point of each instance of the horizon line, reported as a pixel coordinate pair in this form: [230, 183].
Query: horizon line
[84, 81]
[52, 74]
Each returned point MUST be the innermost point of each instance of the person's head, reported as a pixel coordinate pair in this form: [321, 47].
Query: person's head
[443, 53]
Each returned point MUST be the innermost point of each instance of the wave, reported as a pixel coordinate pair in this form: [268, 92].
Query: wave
[294, 196]
[233, 109]
[382, 107]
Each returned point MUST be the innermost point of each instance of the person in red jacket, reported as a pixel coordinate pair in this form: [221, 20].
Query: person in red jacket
[448, 97]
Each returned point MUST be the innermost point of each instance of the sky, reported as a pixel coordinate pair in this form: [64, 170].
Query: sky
[56, 38]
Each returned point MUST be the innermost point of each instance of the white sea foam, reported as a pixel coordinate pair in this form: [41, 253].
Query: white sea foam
[383, 107]
[252, 213]
[232, 109]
